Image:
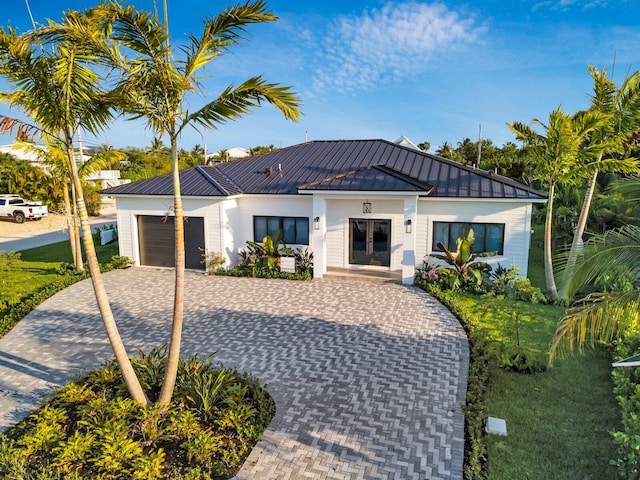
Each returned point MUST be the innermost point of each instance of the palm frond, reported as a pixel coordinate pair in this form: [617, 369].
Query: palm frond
[598, 318]
[237, 101]
[616, 247]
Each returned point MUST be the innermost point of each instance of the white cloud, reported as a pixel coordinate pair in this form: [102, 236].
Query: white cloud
[390, 43]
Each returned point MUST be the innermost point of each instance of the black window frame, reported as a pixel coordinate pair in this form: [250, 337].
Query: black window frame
[450, 244]
[301, 225]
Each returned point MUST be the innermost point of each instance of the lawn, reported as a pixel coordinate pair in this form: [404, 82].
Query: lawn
[36, 270]
[558, 421]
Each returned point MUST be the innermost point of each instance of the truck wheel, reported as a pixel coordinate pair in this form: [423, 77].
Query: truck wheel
[18, 217]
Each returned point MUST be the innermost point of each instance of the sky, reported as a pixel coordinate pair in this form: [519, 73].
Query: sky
[432, 71]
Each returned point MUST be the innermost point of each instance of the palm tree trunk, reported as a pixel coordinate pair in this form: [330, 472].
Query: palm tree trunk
[70, 227]
[548, 258]
[173, 358]
[77, 259]
[582, 221]
[130, 378]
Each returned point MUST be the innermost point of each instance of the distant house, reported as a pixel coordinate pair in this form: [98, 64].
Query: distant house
[25, 154]
[357, 204]
[106, 178]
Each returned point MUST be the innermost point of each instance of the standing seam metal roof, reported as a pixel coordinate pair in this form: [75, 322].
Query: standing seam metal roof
[361, 165]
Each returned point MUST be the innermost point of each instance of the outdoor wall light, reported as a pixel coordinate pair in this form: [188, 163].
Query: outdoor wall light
[407, 226]
[366, 207]
[316, 223]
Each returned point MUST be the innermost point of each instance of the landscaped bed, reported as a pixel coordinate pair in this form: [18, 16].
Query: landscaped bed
[91, 428]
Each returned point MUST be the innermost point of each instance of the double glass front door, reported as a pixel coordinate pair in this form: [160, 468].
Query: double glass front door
[370, 242]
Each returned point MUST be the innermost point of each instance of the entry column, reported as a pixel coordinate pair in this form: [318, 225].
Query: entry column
[409, 243]
[318, 236]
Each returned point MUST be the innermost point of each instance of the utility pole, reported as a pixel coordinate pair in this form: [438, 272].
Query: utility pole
[479, 145]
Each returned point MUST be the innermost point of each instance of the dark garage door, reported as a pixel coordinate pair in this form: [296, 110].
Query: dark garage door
[156, 239]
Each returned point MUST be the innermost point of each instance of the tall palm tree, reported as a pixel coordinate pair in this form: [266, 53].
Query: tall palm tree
[621, 106]
[559, 156]
[603, 316]
[154, 85]
[58, 88]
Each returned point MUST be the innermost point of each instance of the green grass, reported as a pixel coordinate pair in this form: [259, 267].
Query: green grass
[558, 421]
[36, 271]
[37, 268]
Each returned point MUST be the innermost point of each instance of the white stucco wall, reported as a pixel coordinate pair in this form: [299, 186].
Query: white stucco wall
[229, 222]
[516, 217]
[129, 208]
[339, 211]
[240, 217]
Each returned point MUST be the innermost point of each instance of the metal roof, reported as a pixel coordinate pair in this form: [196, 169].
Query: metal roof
[359, 165]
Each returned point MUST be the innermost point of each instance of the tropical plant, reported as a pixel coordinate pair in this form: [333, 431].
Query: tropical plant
[558, 154]
[603, 315]
[59, 87]
[464, 272]
[621, 108]
[154, 85]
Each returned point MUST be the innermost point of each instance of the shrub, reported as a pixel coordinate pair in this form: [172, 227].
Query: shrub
[89, 430]
[214, 262]
[627, 390]
[262, 260]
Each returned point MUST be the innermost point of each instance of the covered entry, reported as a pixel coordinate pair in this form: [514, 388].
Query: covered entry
[370, 242]
[156, 241]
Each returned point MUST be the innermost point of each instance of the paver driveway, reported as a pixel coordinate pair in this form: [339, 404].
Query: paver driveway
[369, 378]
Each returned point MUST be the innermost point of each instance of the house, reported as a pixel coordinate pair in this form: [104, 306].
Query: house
[357, 204]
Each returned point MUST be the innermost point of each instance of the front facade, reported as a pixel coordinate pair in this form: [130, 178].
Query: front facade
[356, 204]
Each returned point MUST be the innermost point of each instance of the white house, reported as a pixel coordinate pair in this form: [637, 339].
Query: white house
[357, 204]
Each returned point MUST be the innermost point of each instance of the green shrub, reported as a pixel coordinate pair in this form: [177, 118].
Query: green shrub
[88, 430]
[626, 382]
[263, 261]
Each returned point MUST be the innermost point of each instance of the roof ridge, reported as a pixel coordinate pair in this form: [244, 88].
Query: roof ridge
[226, 177]
[334, 177]
[404, 177]
[210, 179]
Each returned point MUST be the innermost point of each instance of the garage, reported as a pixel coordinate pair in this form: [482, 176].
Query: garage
[156, 241]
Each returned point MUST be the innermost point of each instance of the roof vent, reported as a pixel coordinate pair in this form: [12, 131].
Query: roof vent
[268, 171]
[280, 167]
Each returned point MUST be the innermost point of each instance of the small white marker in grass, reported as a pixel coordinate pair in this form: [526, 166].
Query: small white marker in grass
[497, 426]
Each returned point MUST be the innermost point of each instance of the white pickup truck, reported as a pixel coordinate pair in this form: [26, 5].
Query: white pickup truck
[12, 206]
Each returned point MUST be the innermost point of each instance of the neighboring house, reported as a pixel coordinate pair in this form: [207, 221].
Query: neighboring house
[357, 204]
[22, 153]
[405, 142]
[106, 178]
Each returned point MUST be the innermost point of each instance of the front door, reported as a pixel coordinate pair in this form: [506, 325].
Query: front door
[370, 242]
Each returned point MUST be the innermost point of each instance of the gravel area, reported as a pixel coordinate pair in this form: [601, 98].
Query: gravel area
[54, 222]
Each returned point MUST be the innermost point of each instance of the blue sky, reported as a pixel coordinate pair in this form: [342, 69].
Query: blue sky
[431, 71]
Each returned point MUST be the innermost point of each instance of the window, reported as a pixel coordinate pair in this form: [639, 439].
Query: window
[295, 229]
[489, 237]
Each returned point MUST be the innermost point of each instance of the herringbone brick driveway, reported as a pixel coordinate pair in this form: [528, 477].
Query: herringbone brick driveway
[369, 378]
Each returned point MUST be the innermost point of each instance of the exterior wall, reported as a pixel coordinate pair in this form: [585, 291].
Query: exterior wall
[239, 217]
[229, 223]
[128, 209]
[337, 237]
[516, 217]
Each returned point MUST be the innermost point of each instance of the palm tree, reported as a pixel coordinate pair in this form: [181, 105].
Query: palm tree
[559, 157]
[58, 88]
[621, 106]
[154, 85]
[603, 316]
